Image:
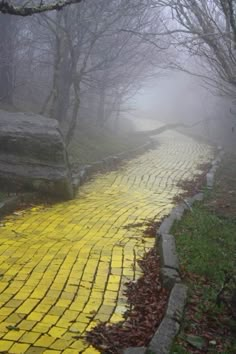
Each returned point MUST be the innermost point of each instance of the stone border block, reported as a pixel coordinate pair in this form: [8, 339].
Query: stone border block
[177, 302]
[169, 277]
[168, 254]
[162, 340]
[178, 211]
[166, 225]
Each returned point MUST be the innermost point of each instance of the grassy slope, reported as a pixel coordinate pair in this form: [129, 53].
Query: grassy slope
[91, 145]
[206, 243]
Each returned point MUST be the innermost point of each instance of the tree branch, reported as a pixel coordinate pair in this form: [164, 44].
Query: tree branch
[7, 8]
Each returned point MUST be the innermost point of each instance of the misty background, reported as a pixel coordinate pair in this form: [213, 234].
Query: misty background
[109, 64]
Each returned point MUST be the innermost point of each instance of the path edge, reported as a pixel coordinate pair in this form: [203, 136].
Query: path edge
[169, 327]
[109, 163]
[79, 176]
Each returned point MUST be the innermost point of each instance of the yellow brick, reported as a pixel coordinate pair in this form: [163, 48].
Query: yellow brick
[42, 327]
[27, 306]
[27, 325]
[57, 332]
[91, 325]
[45, 341]
[60, 344]
[43, 308]
[91, 350]
[64, 323]
[3, 327]
[57, 311]
[51, 319]
[21, 295]
[35, 316]
[79, 345]
[63, 303]
[116, 317]
[70, 351]
[14, 335]
[6, 311]
[14, 318]
[14, 303]
[30, 337]
[5, 345]
[19, 348]
[113, 287]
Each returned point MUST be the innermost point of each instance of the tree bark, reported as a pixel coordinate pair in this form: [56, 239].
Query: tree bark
[6, 60]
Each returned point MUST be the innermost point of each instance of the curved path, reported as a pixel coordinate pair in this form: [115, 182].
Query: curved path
[62, 268]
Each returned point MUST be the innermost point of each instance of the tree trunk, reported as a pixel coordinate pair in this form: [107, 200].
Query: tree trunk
[6, 59]
[61, 77]
[101, 108]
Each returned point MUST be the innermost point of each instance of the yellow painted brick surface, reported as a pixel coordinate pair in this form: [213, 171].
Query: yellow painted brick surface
[64, 266]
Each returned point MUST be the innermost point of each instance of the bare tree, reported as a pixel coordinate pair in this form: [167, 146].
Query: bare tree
[7, 30]
[206, 30]
[6, 7]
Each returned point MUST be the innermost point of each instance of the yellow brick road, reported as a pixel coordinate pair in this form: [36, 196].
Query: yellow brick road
[63, 267]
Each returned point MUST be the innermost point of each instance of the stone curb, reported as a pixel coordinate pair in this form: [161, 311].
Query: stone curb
[168, 329]
[109, 163]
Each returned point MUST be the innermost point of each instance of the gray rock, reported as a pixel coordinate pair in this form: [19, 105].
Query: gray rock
[169, 277]
[135, 350]
[177, 302]
[163, 338]
[167, 250]
[33, 155]
[178, 211]
[166, 225]
[210, 179]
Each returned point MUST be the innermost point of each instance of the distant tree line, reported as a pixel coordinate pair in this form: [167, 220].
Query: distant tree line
[87, 59]
[78, 62]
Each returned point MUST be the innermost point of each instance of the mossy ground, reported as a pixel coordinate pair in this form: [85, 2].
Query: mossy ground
[90, 145]
[2, 196]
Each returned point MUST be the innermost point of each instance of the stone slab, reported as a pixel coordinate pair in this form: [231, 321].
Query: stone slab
[178, 211]
[163, 338]
[168, 254]
[210, 179]
[169, 277]
[177, 302]
[166, 225]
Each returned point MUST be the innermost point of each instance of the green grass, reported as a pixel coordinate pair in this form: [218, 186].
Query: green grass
[206, 246]
[90, 145]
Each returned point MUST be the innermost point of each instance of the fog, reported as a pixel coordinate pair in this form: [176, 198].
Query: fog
[107, 64]
[182, 98]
